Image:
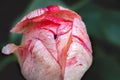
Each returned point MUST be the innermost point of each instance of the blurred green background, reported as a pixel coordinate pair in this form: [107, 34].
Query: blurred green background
[102, 19]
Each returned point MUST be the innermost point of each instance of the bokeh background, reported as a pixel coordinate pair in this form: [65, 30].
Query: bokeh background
[102, 19]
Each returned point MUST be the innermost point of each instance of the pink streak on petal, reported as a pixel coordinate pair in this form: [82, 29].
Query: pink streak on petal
[53, 7]
[83, 43]
[24, 50]
[71, 61]
[79, 31]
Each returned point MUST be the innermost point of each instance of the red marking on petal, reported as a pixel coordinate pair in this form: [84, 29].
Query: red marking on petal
[71, 61]
[24, 50]
[50, 30]
[64, 28]
[80, 64]
[53, 7]
[83, 43]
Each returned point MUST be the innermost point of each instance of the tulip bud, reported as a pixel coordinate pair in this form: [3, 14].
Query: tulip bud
[54, 46]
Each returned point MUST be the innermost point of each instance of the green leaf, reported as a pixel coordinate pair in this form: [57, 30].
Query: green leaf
[111, 27]
[107, 66]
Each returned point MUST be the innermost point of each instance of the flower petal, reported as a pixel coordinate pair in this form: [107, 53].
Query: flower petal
[9, 48]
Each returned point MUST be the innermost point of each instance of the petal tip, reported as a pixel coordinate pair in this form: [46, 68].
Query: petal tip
[9, 49]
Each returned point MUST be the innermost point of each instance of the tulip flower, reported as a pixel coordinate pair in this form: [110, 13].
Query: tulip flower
[54, 46]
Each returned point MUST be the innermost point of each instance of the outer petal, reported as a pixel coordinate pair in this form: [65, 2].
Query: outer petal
[9, 48]
[40, 65]
[79, 32]
[79, 56]
[40, 14]
[77, 63]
